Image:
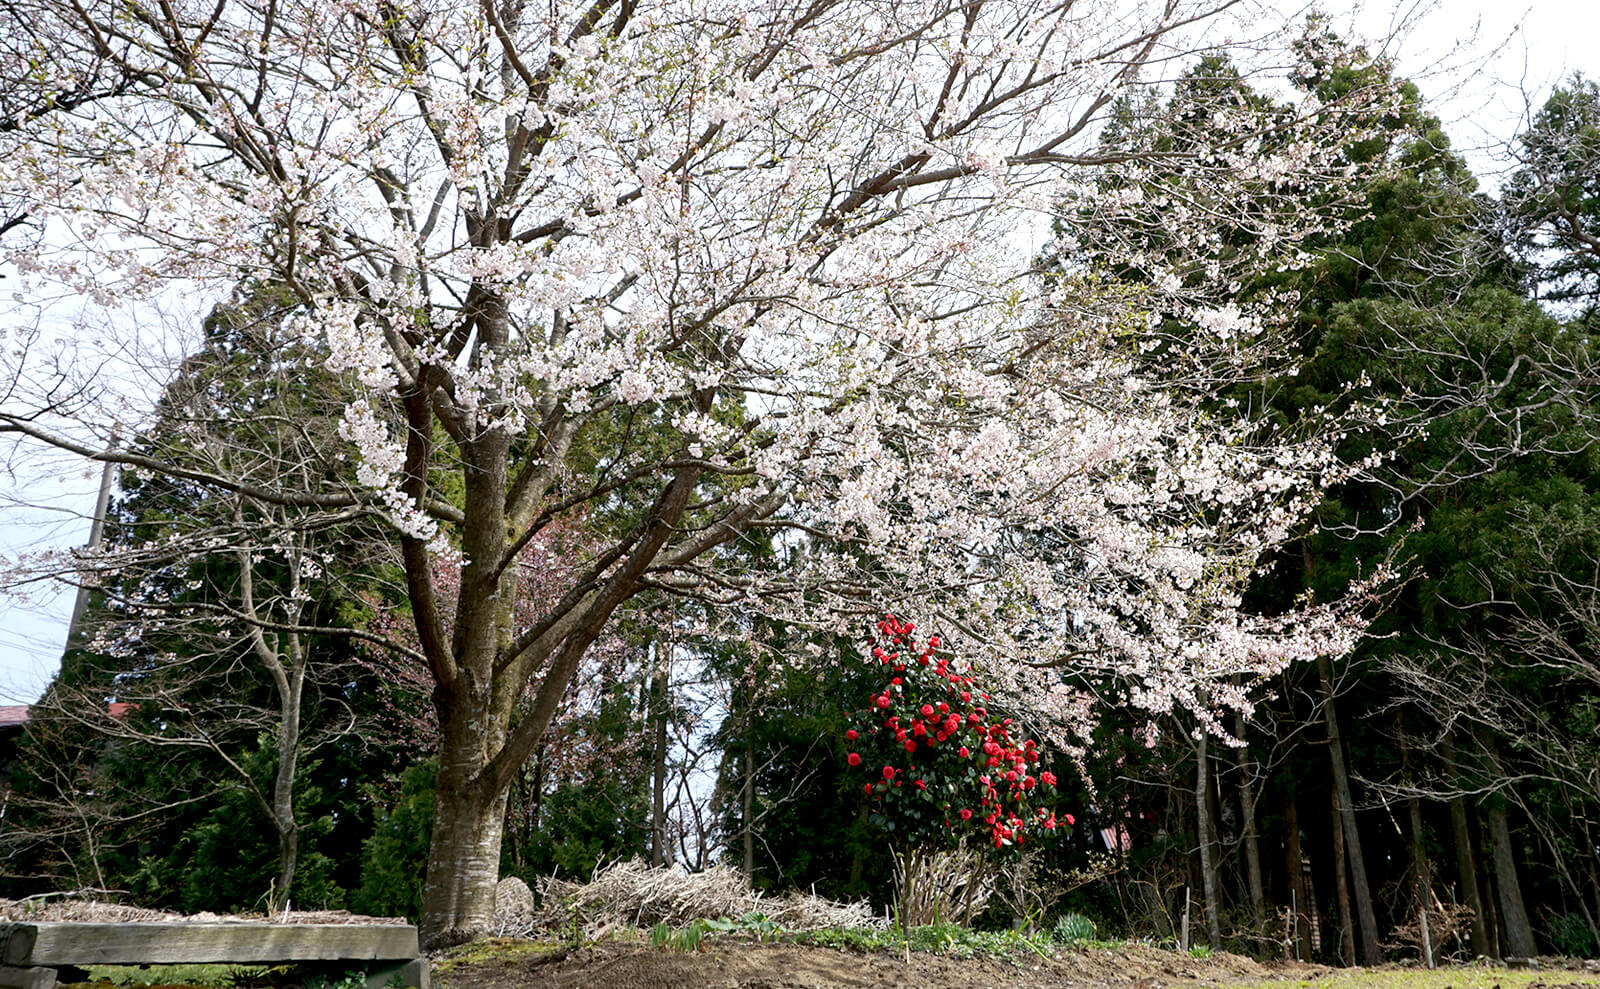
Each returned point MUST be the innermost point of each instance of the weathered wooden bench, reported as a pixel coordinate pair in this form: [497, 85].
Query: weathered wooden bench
[33, 954]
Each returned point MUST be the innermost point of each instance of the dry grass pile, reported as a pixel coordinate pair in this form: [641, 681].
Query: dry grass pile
[82, 907]
[632, 894]
[49, 907]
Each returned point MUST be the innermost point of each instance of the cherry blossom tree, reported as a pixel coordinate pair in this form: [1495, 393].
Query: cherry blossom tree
[713, 276]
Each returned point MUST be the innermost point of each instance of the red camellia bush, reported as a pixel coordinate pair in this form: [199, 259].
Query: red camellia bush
[943, 766]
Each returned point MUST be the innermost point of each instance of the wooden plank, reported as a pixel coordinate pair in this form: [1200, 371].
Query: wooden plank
[16, 941]
[73, 943]
[36, 977]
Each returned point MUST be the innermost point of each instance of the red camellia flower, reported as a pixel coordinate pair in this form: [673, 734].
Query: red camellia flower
[1048, 777]
[1070, 820]
[939, 698]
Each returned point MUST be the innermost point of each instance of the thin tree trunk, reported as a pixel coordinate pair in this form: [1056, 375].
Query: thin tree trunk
[1347, 933]
[660, 853]
[1360, 889]
[1208, 863]
[1519, 933]
[1492, 916]
[288, 680]
[1466, 859]
[1419, 855]
[1419, 859]
[283, 818]
[1252, 843]
[748, 808]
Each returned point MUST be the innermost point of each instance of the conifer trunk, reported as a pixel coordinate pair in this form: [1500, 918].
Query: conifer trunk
[1360, 889]
[1208, 863]
[1466, 859]
[1252, 843]
[1419, 860]
[1294, 862]
[1519, 933]
[1347, 932]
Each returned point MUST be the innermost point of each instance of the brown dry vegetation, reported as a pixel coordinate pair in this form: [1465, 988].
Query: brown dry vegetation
[731, 963]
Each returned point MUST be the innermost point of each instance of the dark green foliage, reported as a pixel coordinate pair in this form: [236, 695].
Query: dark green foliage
[1551, 205]
[224, 854]
[811, 828]
[395, 857]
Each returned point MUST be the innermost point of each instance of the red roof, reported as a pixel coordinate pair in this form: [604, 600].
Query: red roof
[16, 715]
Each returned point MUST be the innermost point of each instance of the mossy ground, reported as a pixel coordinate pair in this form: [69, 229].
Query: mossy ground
[1448, 977]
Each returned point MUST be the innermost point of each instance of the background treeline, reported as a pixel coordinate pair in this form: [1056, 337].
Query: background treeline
[231, 737]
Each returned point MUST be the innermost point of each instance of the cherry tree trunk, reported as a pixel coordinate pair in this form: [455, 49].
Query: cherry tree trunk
[463, 863]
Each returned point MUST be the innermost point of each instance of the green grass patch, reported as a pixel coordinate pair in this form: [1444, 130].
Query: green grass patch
[494, 949]
[178, 975]
[937, 939]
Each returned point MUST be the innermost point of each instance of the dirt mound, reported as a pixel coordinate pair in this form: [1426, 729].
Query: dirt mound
[731, 964]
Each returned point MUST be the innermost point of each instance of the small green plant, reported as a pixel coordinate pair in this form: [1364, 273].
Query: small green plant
[1073, 928]
[349, 980]
[689, 937]
[763, 927]
[1570, 935]
[1200, 951]
[951, 940]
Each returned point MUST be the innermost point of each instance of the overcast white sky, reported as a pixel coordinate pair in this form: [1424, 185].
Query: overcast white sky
[1483, 65]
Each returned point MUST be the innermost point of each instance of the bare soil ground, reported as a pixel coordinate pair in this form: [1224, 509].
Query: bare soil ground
[733, 964]
[739, 964]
